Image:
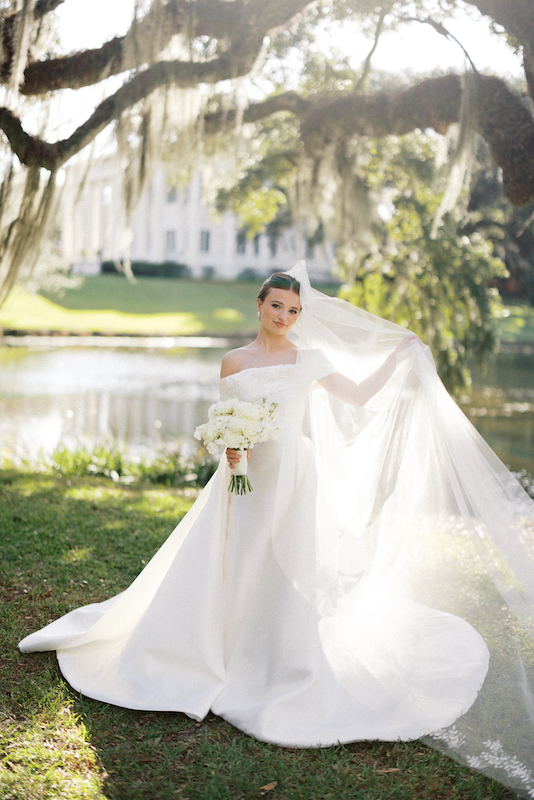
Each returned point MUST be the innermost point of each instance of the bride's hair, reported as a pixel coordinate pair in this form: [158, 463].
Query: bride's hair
[278, 280]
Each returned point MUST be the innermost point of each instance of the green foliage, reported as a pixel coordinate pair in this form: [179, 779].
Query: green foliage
[436, 286]
[167, 466]
[440, 286]
[107, 461]
[173, 469]
[322, 73]
[260, 194]
[515, 323]
[509, 228]
[256, 208]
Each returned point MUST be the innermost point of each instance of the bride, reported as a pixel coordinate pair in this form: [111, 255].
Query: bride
[378, 583]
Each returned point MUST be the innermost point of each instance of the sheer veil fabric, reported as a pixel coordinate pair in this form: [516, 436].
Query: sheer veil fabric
[377, 583]
[412, 503]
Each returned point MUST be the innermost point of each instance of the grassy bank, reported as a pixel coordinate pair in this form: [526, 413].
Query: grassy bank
[152, 306]
[109, 304]
[70, 541]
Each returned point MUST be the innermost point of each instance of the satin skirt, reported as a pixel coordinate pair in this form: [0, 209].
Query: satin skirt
[213, 623]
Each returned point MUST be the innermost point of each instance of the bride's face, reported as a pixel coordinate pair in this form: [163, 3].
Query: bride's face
[279, 310]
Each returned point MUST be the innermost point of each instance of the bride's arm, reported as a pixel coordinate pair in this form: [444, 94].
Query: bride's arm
[358, 394]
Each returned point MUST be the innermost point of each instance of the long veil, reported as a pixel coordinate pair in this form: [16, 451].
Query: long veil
[413, 504]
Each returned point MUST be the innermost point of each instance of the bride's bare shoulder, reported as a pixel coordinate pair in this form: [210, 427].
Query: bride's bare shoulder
[234, 361]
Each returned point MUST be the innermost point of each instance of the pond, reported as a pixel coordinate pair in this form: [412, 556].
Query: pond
[501, 406]
[70, 396]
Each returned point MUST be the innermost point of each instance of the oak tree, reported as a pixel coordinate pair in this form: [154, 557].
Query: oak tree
[175, 79]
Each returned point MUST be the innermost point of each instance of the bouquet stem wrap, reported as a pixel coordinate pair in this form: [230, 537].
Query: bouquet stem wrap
[239, 482]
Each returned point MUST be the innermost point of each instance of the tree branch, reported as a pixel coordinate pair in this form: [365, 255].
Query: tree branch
[367, 63]
[442, 30]
[434, 103]
[288, 101]
[40, 10]
[516, 17]
[92, 66]
[44, 7]
[508, 128]
[504, 122]
[33, 151]
[219, 19]
[528, 66]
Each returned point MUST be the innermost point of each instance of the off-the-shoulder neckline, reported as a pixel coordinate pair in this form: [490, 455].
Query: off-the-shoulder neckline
[250, 369]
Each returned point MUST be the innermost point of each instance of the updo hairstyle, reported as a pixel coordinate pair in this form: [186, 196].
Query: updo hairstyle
[278, 280]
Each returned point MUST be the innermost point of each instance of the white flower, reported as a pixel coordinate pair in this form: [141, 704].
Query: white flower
[250, 428]
[250, 411]
[233, 440]
[238, 424]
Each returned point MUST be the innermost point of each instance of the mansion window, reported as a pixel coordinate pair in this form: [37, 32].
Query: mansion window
[204, 241]
[241, 243]
[170, 240]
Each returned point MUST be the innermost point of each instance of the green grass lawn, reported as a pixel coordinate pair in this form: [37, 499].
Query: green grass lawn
[110, 304]
[171, 307]
[70, 541]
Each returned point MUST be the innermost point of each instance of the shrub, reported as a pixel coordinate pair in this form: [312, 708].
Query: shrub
[249, 274]
[149, 269]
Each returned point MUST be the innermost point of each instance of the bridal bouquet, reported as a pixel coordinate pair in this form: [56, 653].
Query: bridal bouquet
[238, 425]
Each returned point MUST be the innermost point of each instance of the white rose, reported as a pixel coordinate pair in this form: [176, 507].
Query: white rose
[223, 422]
[236, 424]
[232, 440]
[205, 432]
[221, 408]
[214, 411]
[252, 412]
[250, 428]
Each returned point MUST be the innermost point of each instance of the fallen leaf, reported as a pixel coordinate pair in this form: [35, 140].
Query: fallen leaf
[268, 787]
[390, 769]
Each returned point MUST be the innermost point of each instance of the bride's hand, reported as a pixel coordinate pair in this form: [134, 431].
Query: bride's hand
[233, 456]
[409, 339]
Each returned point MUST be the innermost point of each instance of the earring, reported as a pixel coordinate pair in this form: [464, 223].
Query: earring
[259, 314]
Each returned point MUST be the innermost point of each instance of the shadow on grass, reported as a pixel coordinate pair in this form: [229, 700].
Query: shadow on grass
[71, 542]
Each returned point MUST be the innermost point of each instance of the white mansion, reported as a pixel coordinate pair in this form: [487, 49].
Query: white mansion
[168, 225]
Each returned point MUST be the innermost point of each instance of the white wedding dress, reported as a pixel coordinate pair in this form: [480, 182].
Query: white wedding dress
[214, 623]
[341, 599]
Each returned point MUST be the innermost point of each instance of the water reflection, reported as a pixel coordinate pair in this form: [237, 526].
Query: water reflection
[147, 398]
[54, 398]
[501, 406]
